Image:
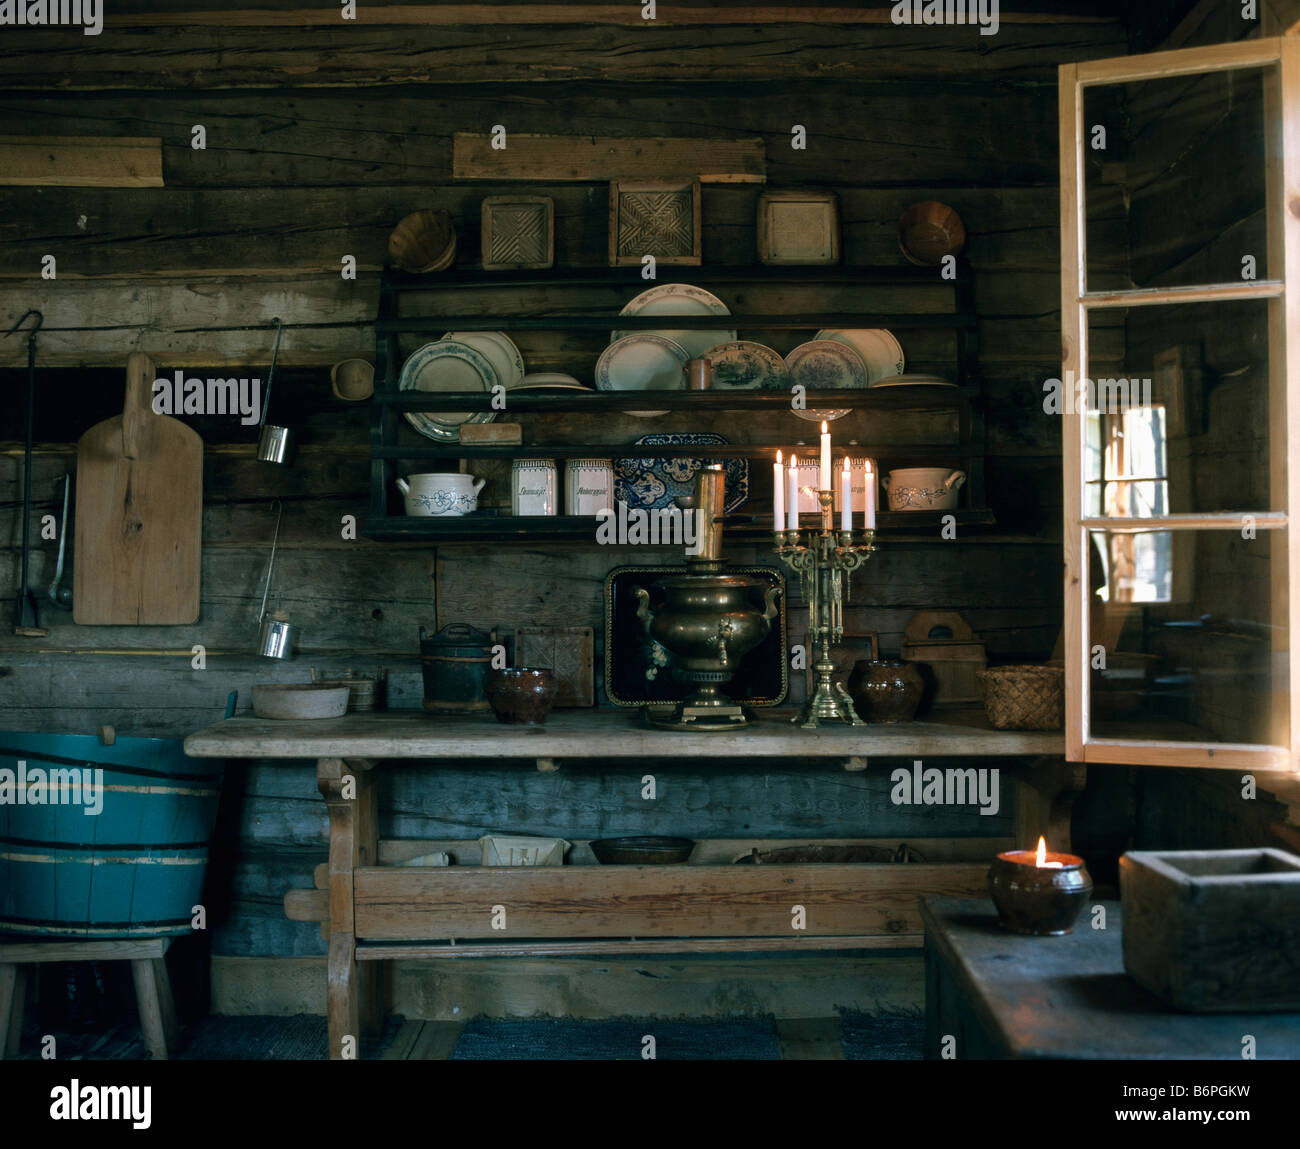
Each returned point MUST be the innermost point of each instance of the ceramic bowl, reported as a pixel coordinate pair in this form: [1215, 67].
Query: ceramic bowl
[644, 851]
[440, 495]
[923, 488]
[520, 695]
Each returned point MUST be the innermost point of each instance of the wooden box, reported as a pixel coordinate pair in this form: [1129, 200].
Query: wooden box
[1213, 930]
[954, 654]
[517, 231]
[659, 218]
[798, 228]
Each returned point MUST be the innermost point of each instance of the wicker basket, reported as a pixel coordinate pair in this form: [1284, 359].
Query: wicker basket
[1024, 697]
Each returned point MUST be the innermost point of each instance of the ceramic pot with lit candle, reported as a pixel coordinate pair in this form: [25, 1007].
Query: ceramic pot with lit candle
[1039, 892]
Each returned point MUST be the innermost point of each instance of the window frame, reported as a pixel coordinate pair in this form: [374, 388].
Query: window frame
[1282, 161]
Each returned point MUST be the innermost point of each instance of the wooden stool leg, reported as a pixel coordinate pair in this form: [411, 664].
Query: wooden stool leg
[12, 988]
[166, 1005]
[152, 1027]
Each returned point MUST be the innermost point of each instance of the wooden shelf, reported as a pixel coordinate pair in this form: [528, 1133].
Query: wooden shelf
[631, 277]
[480, 528]
[607, 734]
[605, 320]
[534, 402]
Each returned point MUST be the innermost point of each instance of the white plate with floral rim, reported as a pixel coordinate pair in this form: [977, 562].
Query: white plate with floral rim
[670, 299]
[744, 365]
[880, 351]
[643, 361]
[447, 365]
[500, 350]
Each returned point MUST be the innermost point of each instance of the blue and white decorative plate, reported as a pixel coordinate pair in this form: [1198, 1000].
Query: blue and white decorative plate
[652, 484]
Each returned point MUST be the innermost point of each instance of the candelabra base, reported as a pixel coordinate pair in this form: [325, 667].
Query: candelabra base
[685, 716]
[829, 703]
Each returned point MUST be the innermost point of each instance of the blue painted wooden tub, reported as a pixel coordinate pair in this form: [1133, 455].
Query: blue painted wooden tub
[135, 868]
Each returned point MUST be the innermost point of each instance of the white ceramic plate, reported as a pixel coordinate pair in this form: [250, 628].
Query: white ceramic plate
[500, 350]
[680, 299]
[879, 350]
[642, 362]
[556, 379]
[446, 365]
[913, 380]
[743, 365]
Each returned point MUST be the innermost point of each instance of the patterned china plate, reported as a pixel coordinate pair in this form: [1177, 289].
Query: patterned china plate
[500, 350]
[651, 484]
[826, 364]
[642, 361]
[742, 364]
[446, 365]
[880, 351]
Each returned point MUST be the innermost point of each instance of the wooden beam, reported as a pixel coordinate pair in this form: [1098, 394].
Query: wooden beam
[199, 58]
[80, 162]
[615, 947]
[628, 14]
[602, 158]
[395, 903]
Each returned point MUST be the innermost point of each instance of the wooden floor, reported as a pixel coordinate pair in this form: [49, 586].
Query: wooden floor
[801, 1039]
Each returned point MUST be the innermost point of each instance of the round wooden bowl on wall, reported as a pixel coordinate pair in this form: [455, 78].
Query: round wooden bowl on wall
[930, 230]
[423, 241]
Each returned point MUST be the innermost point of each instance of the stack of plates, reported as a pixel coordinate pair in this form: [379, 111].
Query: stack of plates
[460, 361]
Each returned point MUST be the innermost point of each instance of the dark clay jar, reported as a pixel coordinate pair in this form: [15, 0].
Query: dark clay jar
[520, 694]
[885, 689]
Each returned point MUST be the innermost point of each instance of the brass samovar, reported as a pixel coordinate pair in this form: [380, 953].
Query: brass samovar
[709, 619]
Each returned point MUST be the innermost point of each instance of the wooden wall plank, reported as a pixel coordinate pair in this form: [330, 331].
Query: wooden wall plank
[80, 161]
[202, 57]
[551, 159]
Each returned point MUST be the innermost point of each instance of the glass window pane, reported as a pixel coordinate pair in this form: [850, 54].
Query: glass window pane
[1180, 177]
[1181, 419]
[1181, 636]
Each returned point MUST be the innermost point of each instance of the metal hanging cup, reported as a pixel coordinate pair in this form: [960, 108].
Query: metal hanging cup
[275, 638]
[274, 442]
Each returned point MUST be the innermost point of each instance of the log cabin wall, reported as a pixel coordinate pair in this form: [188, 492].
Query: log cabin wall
[318, 140]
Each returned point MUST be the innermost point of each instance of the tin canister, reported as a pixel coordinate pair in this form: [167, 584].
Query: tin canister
[455, 662]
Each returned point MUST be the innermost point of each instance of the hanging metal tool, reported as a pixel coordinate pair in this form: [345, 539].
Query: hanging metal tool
[26, 618]
[274, 442]
[275, 637]
[61, 595]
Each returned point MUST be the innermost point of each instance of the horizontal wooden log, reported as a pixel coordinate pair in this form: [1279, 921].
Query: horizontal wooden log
[332, 56]
[590, 158]
[80, 161]
[652, 901]
[364, 146]
[398, 951]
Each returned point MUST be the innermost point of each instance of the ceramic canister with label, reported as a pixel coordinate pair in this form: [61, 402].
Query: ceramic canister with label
[588, 486]
[534, 487]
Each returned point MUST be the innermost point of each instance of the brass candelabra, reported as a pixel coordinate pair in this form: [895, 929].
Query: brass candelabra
[823, 563]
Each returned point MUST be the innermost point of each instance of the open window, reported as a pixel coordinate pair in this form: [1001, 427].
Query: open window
[1182, 613]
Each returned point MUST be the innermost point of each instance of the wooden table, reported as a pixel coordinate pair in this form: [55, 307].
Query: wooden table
[1002, 995]
[377, 912]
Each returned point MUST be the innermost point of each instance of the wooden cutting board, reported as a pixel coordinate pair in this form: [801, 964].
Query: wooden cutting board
[139, 514]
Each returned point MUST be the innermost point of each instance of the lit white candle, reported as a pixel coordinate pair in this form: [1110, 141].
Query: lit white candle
[792, 496]
[869, 496]
[778, 494]
[846, 499]
[825, 476]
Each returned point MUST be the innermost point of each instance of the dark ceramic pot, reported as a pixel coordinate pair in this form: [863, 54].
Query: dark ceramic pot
[1037, 901]
[520, 694]
[885, 689]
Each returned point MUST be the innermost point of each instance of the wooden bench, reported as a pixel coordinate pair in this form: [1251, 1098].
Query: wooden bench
[153, 988]
[372, 912]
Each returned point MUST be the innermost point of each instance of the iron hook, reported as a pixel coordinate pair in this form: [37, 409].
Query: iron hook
[31, 335]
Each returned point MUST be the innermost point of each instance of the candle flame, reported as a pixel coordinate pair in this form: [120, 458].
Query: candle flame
[823, 426]
[794, 461]
[1041, 859]
[778, 458]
